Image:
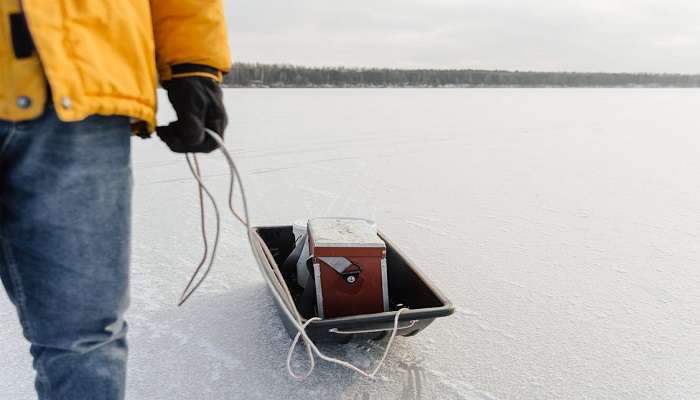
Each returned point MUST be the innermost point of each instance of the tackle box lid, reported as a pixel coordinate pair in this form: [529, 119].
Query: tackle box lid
[344, 232]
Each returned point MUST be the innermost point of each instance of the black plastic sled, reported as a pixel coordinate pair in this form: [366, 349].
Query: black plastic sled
[408, 287]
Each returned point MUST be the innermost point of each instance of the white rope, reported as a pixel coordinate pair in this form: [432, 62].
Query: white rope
[191, 287]
[259, 254]
[345, 364]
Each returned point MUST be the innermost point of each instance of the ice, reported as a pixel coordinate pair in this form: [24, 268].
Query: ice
[564, 224]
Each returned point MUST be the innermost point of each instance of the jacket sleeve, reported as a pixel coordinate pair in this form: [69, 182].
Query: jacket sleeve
[190, 33]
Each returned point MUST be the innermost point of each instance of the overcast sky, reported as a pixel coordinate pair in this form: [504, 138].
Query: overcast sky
[550, 35]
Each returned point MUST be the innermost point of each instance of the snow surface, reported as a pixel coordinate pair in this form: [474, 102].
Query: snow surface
[340, 232]
[564, 224]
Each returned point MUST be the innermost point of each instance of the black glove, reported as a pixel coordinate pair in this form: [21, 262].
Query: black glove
[198, 103]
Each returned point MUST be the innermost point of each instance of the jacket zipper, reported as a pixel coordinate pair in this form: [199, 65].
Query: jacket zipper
[48, 100]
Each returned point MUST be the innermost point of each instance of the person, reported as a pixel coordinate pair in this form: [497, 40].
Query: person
[77, 79]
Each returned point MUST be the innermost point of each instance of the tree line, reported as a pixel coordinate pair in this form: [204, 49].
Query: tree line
[284, 75]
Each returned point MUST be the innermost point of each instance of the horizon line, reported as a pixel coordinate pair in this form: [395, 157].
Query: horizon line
[295, 65]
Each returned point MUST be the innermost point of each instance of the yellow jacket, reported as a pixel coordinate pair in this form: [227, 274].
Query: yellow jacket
[104, 56]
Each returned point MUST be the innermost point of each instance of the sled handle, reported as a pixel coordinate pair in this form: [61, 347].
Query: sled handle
[339, 332]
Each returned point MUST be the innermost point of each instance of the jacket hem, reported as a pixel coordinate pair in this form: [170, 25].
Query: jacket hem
[109, 106]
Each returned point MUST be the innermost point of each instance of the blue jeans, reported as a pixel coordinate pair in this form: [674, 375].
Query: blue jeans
[65, 196]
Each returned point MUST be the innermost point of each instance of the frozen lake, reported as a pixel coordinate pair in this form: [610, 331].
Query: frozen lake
[563, 224]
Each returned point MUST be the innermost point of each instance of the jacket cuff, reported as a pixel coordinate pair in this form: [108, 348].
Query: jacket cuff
[187, 70]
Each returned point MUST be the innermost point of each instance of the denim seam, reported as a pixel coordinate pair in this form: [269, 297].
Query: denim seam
[20, 298]
[8, 139]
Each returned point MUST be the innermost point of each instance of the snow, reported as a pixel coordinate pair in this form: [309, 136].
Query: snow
[564, 225]
[340, 232]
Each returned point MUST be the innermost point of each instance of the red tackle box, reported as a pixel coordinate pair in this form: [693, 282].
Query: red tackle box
[349, 266]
